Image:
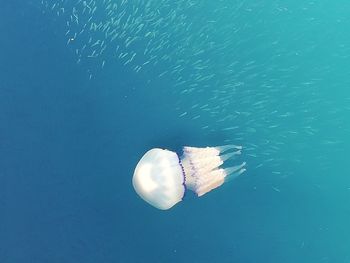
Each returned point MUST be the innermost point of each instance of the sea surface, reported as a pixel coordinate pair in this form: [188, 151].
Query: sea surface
[87, 87]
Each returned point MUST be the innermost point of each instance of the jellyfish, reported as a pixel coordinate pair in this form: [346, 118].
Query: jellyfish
[162, 177]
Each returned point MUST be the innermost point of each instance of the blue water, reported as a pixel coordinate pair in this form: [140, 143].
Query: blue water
[69, 145]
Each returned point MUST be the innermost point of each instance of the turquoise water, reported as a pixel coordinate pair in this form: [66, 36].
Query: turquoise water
[84, 94]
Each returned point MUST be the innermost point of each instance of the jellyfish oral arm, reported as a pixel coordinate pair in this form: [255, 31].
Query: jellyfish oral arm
[202, 170]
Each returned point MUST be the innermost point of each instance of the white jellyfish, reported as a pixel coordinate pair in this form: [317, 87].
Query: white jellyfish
[161, 177]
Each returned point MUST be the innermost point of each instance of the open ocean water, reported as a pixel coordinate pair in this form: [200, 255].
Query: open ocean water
[87, 87]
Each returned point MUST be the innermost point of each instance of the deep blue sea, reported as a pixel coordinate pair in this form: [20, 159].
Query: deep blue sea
[87, 87]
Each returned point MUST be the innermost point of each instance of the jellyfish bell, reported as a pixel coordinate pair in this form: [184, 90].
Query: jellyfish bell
[158, 178]
[161, 177]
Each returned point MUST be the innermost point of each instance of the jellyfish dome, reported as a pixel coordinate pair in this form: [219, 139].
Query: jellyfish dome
[161, 177]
